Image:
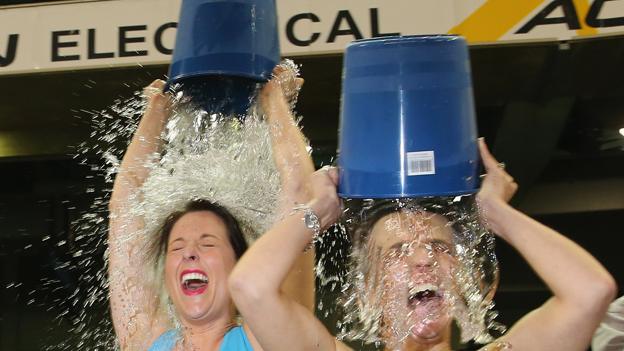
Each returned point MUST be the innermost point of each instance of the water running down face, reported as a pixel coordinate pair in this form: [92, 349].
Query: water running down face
[413, 254]
[198, 261]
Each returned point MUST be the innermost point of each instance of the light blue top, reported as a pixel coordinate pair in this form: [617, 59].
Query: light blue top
[234, 340]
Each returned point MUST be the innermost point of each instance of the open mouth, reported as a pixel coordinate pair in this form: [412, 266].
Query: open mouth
[193, 282]
[423, 294]
[426, 302]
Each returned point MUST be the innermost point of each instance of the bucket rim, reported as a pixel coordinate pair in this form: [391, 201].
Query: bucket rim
[410, 195]
[213, 74]
[416, 38]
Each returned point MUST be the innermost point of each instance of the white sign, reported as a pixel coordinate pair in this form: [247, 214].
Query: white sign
[92, 34]
[87, 35]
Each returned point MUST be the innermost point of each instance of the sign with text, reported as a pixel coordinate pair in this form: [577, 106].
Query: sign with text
[95, 34]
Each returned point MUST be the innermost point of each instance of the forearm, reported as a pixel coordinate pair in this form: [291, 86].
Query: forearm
[570, 272]
[145, 142]
[293, 161]
[582, 288]
[134, 169]
[290, 149]
[255, 287]
[265, 266]
[133, 303]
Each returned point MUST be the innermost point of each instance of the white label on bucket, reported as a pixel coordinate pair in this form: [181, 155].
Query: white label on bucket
[420, 163]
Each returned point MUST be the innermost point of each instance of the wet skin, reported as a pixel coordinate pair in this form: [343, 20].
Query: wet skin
[413, 254]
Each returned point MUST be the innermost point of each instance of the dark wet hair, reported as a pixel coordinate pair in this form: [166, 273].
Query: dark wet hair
[366, 213]
[365, 216]
[235, 234]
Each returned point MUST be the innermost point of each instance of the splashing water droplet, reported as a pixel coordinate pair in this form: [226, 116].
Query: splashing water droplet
[226, 159]
[415, 265]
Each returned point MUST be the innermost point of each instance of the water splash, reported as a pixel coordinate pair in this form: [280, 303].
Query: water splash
[415, 265]
[226, 159]
[210, 156]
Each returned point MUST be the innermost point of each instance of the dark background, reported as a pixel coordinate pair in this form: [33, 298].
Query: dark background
[551, 111]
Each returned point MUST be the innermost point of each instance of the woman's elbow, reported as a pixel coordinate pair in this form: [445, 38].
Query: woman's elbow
[244, 289]
[600, 292]
[608, 289]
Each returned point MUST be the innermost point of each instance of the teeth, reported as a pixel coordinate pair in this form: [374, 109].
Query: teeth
[194, 276]
[423, 287]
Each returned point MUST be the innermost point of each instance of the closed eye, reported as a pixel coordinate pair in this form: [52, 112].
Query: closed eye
[442, 247]
[176, 245]
[397, 250]
[208, 240]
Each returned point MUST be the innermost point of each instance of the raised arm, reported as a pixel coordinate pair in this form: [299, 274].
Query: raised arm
[581, 287]
[293, 161]
[275, 319]
[290, 148]
[133, 303]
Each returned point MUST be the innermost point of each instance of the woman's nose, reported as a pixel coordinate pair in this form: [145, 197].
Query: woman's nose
[190, 253]
[421, 256]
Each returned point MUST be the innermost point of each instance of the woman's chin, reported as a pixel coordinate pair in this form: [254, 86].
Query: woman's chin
[193, 311]
[426, 333]
[431, 332]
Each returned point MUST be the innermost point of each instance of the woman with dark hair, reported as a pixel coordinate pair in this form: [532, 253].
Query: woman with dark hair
[182, 270]
[235, 234]
[411, 270]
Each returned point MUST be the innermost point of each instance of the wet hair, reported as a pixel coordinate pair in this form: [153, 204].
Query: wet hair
[367, 215]
[364, 221]
[235, 234]
[364, 214]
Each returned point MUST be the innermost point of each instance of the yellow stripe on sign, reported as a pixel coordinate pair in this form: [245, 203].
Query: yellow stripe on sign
[495, 18]
[582, 7]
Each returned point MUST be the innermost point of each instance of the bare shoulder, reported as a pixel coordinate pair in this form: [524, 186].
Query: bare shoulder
[255, 344]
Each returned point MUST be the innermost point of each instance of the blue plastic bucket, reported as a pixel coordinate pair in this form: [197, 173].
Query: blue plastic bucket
[407, 123]
[223, 49]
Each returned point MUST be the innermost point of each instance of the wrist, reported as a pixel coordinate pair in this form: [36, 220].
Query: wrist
[492, 211]
[489, 202]
[311, 222]
[320, 210]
